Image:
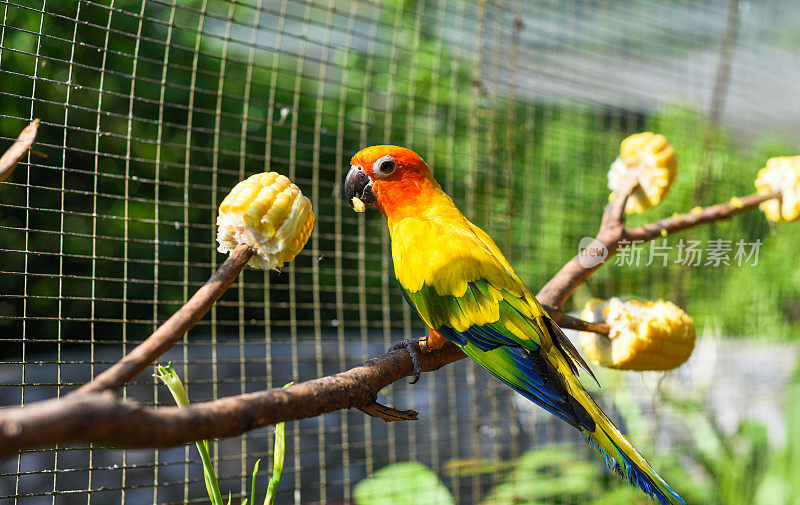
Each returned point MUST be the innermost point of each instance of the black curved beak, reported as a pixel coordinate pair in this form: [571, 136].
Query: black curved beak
[358, 184]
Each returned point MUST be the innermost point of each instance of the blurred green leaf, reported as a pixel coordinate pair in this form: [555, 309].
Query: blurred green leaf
[545, 475]
[409, 483]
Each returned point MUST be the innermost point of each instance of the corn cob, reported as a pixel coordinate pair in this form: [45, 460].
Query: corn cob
[781, 174]
[644, 335]
[268, 213]
[651, 159]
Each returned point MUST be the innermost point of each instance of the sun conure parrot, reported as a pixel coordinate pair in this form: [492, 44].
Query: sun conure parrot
[466, 291]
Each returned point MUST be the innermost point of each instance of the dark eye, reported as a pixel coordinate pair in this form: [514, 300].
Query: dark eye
[386, 165]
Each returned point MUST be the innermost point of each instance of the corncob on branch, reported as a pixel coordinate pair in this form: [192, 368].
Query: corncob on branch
[265, 221]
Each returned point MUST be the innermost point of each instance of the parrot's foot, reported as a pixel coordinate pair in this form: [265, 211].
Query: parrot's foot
[412, 345]
[423, 344]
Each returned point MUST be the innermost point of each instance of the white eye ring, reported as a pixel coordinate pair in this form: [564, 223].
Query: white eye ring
[384, 165]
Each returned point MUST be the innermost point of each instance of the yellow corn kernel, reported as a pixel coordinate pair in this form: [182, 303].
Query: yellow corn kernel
[651, 159]
[358, 205]
[268, 213]
[644, 335]
[781, 174]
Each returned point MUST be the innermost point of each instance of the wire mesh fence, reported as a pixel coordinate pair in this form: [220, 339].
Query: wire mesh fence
[152, 110]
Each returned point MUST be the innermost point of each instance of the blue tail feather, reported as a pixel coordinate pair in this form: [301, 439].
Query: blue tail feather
[634, 475]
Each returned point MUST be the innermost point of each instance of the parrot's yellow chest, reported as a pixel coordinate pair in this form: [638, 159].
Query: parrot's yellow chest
[443, 250]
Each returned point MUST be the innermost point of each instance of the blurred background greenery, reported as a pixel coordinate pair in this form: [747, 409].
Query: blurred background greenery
[153, 110]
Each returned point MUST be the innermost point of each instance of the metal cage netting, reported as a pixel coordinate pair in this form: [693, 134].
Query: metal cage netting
[152, 110]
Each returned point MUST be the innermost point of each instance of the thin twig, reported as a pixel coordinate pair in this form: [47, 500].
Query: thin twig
[707, 215]
[574, 323]
[173, 328]
[102, 418]
[18, 149]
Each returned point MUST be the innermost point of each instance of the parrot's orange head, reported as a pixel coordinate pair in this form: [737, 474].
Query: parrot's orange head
[394, 179]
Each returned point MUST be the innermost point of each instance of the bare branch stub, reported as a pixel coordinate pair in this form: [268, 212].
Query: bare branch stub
[574, 323]
[613, 219]
[173, 328]
[18, 149]
[389, 414]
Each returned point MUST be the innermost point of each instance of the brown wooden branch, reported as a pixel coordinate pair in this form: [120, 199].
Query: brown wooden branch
[102, 418]
[614, 236]
[707, 215]
[143, 355]
[614, 214]
[18, 149]
[612, 230]
[390, 414]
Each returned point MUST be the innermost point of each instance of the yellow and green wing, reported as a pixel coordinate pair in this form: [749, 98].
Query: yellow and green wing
[509, 337]
[461, 285]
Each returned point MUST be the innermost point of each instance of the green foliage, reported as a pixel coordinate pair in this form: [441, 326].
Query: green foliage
[253, 484]
[409, 483]
[554, 475]
[277, 463]
[731, 467]
[780, 484]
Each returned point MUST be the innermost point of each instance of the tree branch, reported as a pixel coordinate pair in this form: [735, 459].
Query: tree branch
[575, 272]
[173, 328]
[104, 419]
[614, 214]
[574, 323]
[614, 236]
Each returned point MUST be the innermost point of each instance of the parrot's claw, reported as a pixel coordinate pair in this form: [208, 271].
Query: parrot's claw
[424, 344]
[410, 345]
